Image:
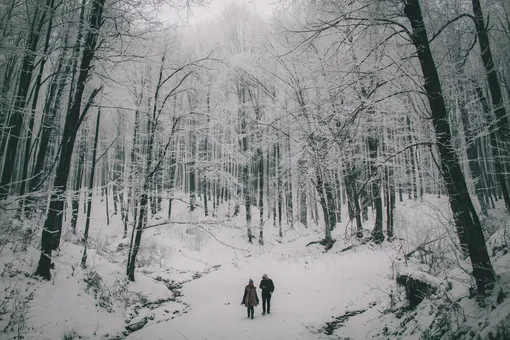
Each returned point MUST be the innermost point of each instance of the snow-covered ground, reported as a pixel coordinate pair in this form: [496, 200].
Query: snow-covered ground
[192, 274]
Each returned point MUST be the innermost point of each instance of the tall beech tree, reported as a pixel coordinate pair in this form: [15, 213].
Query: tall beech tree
[468, 225]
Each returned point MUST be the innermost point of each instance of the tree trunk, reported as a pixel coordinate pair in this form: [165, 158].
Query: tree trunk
[260, 169]
[90, 193]
[78, 180]
[377, 232]
[390, 207]
[192, 170]
[468, 225]
[353, 199]
[412, 157]
[246, 165]
[278, 188]
[303, 208]
[173, 166]
[323, 188]
[472, 154]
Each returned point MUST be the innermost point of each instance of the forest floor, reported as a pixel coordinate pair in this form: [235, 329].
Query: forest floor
[191, 275]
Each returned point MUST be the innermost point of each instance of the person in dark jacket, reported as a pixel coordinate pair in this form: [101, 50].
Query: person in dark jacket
[267, 287]
[250, 298]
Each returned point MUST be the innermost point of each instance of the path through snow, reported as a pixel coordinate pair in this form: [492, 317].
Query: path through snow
[311, 288]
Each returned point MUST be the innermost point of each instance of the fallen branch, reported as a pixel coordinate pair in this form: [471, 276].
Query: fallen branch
[327, 243]
[347, 248]
[421, 247]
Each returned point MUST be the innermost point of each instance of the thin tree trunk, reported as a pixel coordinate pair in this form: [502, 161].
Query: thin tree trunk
[377, 232]
[472, 154]
[90, 193]
[260, 158]
[78, 180]
[246, 165]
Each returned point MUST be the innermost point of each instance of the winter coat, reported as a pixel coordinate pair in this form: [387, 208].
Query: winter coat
[267, 287]
[250, 297]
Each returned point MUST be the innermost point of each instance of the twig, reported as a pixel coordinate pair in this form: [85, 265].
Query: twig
[108, 148]
[184, 336]
[420, 247]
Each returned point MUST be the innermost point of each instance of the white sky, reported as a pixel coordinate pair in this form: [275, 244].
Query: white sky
[214, 8]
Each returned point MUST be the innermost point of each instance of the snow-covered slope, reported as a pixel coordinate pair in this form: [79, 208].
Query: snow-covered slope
[192, 273]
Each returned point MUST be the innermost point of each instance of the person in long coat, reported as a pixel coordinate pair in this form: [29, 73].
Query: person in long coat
[250, 298]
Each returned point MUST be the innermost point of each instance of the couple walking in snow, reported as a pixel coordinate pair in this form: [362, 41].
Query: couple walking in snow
[250, 298]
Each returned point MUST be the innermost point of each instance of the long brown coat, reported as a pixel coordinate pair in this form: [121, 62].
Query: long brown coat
[250, 297]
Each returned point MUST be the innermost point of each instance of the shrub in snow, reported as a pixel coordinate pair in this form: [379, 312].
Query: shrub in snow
[71, 335]
[94, 283]
[13, 309]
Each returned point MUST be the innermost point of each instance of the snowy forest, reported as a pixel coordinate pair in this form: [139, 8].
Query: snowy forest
[356, 151]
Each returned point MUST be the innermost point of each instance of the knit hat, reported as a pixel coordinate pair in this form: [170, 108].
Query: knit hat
[250, 282]
[265, 276]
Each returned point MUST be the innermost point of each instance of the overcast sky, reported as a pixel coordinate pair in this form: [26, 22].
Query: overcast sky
[263, 7]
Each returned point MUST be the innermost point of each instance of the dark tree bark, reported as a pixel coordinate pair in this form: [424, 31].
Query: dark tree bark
[279, 186]
[289, 208]
[495, 149]
[173, 166]
[492, 77]
[53, 223]
[15, 121]
[106, 180]
[50, 112]
[246, 165]
[192, 173]
[390, 207]
[412, 157]
[78, 180]
[338, 198]
[377, 232]
[90, 192]
[466, 219]
[303, 208]
[329, 190]
[324, 190]
[260, 170]
[353, 199]
[472, 154]
[37, 88]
